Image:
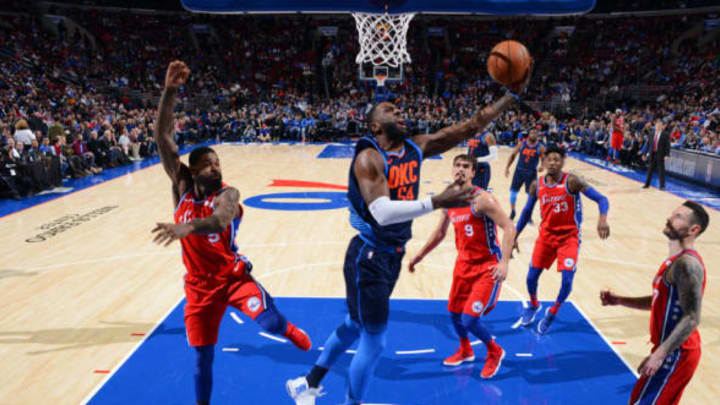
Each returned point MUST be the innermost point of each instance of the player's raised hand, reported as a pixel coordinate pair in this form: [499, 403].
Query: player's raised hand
[499, 271]
[455, 195]
[176, 75]
[167, 233]
[520, 88]
[603, 228]
[415, 260]
[608, 298]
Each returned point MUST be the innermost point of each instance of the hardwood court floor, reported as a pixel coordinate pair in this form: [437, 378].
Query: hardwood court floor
[76, 303]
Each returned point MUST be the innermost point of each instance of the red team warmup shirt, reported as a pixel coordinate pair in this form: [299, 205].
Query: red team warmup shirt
[617, 136]
[208, 255]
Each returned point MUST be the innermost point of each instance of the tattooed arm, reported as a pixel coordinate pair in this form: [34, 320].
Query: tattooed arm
[686, 274]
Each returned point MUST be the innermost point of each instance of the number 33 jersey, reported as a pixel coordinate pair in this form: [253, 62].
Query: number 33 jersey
[211, 255]
[475, 235]
[561, 210]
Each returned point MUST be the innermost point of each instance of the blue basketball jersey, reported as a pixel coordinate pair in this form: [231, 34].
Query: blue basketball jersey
[529, 157]
[478, 147]
[402, 171]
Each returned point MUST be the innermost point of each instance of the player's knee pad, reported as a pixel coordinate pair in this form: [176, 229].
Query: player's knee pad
[533, 274]
[375, 328]
[513, 196]
[374, 342]
[567, 280]
[204, 357]
[349, 330]
[456, 318]
[468, 320]
[272, 321]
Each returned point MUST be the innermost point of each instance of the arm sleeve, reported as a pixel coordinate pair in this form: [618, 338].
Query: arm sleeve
[600, 199]
[388, 212]
[492, 156]
[526, 213]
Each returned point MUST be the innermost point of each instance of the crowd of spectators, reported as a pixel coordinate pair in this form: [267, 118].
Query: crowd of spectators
[71, 106]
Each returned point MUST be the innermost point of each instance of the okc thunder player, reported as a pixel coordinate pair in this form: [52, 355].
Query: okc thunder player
[383, 189]
[674, 307]
[531, 152]
[480, 268]
[483, 148]
[206, 219]
[561, 212]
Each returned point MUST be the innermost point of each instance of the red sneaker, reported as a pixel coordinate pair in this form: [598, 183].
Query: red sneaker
[298, 337]
[461, 356]
[495, 356]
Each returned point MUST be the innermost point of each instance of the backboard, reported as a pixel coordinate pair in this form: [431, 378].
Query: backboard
[503, 7]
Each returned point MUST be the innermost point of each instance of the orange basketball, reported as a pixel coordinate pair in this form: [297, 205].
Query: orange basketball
[509, 62]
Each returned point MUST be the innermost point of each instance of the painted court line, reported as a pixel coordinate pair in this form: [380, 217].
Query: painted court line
[269, 336]
[230, 349]
[421, 351]
[351, 351]
[523, 354]
[130, 353]
[236, 318]
[632, 370]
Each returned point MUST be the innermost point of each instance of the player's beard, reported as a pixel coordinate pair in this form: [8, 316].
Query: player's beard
[393, 132]
[672, 233]
[210, 183]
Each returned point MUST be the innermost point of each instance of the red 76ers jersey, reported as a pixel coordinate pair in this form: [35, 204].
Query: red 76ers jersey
[475, 235]
[665, 311]
[560, 209]
[208, 255]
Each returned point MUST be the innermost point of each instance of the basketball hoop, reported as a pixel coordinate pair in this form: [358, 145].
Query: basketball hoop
[383, 38]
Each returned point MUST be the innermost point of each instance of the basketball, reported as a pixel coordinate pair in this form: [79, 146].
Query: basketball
[509, 62]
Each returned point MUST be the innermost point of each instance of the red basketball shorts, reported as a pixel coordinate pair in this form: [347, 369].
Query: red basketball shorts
[666, 386]
[207, 300]
[564, 248]
[616, 140]
[473, 289]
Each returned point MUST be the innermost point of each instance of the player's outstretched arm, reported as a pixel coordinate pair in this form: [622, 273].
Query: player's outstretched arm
[607, 297]
[227, 208]
[578, 184]
[435, 238]
[511, 159]
[369, 172]
[528, 209]
[486, 204]
[492, 149]
[449, 137]
[176, 75]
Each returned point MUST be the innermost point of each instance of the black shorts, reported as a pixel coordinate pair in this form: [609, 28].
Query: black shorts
[523, 177]
[482, 176]
[370, 277]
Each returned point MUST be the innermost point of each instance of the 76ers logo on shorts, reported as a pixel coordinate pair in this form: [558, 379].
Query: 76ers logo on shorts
[569, 262]
[253, 304]
[477, 306]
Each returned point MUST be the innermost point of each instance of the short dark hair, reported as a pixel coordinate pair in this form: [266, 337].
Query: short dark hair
[555, 148]
[699, 215]
[466, 158]
[198, 153]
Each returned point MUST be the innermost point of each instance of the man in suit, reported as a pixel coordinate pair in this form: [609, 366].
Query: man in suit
[658, 151]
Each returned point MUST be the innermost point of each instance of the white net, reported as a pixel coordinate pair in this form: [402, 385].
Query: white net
[383, 38]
